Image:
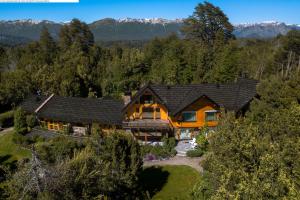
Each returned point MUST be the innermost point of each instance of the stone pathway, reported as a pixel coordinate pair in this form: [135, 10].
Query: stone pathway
[178, 160]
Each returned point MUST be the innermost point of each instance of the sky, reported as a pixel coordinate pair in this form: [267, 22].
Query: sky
[238, 11]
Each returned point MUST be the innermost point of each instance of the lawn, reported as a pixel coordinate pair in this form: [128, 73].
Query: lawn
[169, 182]
[9, 151]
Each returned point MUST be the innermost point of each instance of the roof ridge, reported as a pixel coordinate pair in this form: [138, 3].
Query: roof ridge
[237, 95]
[44, 103]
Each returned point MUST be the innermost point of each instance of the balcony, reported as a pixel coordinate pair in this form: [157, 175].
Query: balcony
[146, 124]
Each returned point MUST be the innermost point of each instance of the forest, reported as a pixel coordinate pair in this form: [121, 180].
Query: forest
[252, 157]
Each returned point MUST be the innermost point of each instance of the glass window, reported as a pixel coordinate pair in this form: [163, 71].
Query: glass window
[189, 116]
[146, 99]
[210, 116]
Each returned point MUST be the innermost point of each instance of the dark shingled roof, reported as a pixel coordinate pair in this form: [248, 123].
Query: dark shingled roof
[32, 102]
[232, 96]
[77, 110]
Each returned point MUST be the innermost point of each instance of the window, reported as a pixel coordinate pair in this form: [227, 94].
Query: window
[210, 115]
[189, 116]
[146, 99]
[148, 109]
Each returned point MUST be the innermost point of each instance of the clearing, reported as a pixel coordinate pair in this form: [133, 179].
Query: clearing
[169, 182]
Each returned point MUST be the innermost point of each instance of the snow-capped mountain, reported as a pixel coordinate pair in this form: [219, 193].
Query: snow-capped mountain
[150, 20]
[265, 29]
[22, 31]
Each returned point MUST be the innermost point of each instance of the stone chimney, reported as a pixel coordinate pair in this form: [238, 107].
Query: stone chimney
[126, 97]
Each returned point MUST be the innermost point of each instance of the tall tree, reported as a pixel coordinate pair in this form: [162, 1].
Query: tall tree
[208, 24]
[48, 46]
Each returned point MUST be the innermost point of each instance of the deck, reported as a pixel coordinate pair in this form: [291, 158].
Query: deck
[147, 124]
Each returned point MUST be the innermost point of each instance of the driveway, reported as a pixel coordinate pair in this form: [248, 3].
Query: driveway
[178, 160]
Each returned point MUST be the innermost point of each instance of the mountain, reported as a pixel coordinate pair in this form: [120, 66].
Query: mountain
[134, 29]
[267, 29]
[107, 30]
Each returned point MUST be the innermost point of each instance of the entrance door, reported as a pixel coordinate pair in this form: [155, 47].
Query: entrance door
[185, 134]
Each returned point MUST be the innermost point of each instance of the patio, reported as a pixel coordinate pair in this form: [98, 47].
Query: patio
[183, 146]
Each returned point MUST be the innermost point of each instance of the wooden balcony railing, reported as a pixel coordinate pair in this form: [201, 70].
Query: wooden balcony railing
[146, 123]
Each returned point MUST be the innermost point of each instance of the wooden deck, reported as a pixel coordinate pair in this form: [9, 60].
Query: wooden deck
[147, 123]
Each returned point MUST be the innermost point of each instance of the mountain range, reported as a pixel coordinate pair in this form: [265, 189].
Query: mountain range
[128, 29]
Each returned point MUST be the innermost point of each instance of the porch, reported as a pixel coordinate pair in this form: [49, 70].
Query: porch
[157, 124]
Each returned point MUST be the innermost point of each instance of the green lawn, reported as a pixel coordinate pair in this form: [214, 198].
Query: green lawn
[9, 151]
[169, 182]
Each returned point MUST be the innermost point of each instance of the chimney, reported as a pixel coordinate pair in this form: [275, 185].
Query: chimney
[126, 97]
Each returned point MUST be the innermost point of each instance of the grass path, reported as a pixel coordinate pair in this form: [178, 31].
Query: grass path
[169, 182]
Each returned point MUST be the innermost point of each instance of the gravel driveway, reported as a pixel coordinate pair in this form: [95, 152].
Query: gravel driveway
[178, 160]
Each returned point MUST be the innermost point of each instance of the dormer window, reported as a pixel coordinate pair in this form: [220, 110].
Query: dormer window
[211, 115]
[189, 116]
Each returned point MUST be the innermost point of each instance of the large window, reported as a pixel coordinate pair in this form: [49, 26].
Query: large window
[189, 116]
[210, 115]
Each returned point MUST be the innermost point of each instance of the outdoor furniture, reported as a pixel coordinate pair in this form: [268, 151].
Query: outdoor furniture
[193, 143]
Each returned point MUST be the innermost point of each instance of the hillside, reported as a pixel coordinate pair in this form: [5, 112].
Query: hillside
[108, 30]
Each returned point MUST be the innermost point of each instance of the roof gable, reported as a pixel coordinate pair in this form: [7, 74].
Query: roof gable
[140, 93]
[231, 96]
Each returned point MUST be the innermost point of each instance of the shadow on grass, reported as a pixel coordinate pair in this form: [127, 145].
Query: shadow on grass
[6, 161]
[4, 158]
[153, 179]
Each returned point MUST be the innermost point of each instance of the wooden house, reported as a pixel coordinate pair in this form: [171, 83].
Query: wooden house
[59, 113]
[153, 112]
[181, 110]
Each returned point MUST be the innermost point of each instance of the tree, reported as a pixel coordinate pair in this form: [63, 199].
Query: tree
[20, 125]
[287, 56]
[208, 24]
[105, 167]
[76, 34]
[256, 157]
[48, 46]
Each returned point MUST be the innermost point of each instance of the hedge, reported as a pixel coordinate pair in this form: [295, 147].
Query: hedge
[195, 153]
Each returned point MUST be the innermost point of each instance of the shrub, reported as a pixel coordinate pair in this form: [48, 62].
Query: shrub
[96, 130]
[30, 121]
[169, 143]
[20, 125]
[7, 119]
[67, 129]
[58, 148]
[21, 139]
[164, 151]
[202, 141]
[198, 152]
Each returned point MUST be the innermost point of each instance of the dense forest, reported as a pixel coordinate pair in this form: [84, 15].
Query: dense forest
[252, 157]
[75, 66]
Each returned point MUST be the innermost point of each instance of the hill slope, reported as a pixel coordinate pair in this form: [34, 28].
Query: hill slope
[23, 31]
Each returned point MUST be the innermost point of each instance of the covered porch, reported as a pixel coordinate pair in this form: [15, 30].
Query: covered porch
[149, 129]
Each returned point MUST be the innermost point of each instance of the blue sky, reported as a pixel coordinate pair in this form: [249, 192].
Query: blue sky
[238, 11]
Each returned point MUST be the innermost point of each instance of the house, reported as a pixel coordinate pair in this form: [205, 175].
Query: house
[181, 110]
[61, 113]
[155, 111]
